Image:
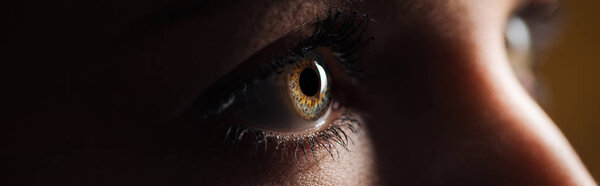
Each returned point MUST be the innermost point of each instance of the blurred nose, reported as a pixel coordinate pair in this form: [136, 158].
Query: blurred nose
[538, 151]
[454, 112]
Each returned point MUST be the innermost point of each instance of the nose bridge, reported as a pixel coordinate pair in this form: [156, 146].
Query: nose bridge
[526, 126]
[455, 113]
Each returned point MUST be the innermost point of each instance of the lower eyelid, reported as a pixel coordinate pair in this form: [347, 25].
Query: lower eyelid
[334, 138]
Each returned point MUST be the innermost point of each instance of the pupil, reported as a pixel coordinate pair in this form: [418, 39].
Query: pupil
[309, 82]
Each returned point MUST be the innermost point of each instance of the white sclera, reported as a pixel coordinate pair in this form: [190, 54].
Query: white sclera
[517, 34]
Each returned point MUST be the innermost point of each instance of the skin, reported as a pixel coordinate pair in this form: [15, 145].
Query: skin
[98, 95]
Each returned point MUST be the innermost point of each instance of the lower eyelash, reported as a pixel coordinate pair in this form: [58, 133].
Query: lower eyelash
[330, 139]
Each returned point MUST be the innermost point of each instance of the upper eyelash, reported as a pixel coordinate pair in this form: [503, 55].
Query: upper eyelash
[344, 38]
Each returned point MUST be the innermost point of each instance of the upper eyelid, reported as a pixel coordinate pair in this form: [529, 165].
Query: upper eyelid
[227, 88]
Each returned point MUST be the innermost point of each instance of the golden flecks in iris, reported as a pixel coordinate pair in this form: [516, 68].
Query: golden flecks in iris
[309, 107]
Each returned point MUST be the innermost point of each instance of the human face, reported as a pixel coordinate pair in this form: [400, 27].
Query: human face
[109, 90]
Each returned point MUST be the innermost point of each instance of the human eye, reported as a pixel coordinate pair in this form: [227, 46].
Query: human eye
[527, 33]
[289, 97]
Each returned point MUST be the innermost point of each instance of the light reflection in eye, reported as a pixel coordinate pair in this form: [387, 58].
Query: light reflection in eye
[322, 74]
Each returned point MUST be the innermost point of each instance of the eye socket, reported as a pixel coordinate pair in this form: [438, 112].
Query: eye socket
[291, 102]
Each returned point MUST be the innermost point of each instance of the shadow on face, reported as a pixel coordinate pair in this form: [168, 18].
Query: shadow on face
[103, 95]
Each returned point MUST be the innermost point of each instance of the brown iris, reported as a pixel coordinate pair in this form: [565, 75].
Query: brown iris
[308, 86]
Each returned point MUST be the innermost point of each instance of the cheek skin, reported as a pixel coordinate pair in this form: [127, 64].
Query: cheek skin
[354, 168]
[444, 107]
